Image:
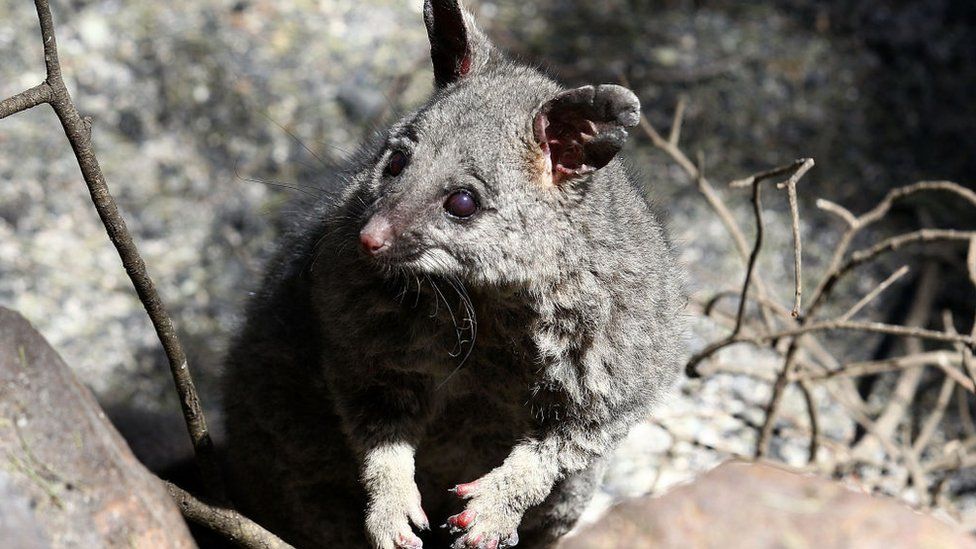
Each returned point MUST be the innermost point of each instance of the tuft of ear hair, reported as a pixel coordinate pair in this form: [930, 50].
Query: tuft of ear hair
[457, 46]
[582, 129]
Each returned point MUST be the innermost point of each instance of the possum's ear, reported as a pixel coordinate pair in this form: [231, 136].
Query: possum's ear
[457, 47]
[581, 130]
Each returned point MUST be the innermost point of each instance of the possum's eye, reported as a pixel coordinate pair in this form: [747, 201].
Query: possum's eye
[461, 204]
[398, 161]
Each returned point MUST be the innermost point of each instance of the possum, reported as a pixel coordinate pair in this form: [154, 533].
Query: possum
[465, 328]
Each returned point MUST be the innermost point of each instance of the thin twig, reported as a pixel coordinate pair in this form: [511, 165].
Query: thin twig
[753, 257]
[965, 417]
[708, 307]
[790, 185]
[814, 417]
[968, 360]
[679, 117]
[872, 367]
[227, 522]
[837, 210]
[792, 167]
[832, 325]
[874, 293]
[900, 193]
[779, 389]
[932, 422]
[965, 353]
[27, 99]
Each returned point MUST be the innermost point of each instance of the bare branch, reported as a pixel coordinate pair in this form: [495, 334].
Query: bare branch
[838, 271]
[965, 417]
[814, 418]
[227, 522]
[27, 99]
[708, 307]
[971, 260]
[913, 360]
[679, 117]
[971, 267]
[901, 193]
[875, 293]
[831, 325]
[779, 389]
[932, 422]
[965, 353]
[875, 327]
[790, 185]
[837, 210]
[896, 242]
[753, 256]
[792, 167]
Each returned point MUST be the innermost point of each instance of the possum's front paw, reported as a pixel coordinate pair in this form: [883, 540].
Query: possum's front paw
[388, 521]
[489, 521]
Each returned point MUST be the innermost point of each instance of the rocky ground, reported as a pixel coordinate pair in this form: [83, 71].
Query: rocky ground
[208, 116]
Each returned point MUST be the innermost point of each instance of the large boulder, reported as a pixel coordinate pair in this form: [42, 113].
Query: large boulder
[67, 478]
[765, 506]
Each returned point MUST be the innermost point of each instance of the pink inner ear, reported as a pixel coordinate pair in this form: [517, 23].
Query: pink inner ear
[465, 65]
[563, 140]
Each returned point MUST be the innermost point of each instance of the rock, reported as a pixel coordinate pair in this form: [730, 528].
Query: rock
[758, 505]
[67, 478]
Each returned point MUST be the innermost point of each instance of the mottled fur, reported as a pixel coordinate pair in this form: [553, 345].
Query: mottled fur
[516, 347]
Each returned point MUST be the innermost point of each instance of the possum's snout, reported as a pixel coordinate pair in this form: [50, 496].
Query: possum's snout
[377, 236]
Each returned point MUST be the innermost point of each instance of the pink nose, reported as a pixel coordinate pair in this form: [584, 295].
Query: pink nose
[376, 236]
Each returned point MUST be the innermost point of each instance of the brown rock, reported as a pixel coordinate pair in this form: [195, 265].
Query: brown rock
[67, 478]
[765, 506]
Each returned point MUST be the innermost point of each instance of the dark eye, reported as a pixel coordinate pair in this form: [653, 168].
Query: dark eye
[461, 204]
[398, 161]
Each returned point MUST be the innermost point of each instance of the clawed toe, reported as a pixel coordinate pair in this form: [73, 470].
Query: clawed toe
[461, 521]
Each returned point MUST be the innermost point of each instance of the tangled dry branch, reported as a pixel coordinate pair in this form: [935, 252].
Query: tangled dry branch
[795, 335]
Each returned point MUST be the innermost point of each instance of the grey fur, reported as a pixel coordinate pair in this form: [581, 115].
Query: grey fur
[516, 347]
